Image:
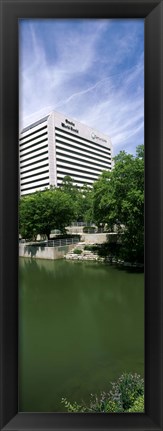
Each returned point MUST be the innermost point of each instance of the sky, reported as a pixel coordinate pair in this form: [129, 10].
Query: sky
[89, 69]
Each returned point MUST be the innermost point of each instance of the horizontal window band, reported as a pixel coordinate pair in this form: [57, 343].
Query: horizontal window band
[75, 151]
[35, 143]
[84, 171]
[95, 170]
[77, 181]
[81, 160]
[33, 151]
[74, 136]
[34, 181]
[59, 175]
[32, 133]
[33, 157]
[34, 175]
[61, 168]
[33, 163]
[35, 187]
[77, 167]
[59, 138]
[33, 169]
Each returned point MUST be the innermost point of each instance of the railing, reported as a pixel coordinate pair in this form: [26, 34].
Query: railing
[81, 223]
[62, 242]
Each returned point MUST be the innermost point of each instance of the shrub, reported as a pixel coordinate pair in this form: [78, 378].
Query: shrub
[77, 251]
[126, 395]
[138, 406]
[109, 249]
[90, 247]
[103, 404]
[128, 387]
[73, 407]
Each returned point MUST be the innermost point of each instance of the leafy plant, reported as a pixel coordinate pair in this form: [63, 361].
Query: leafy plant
[126, 395]
[77, 251]
[73, 407]
[138, 406]
[128, 388]
[90, 247]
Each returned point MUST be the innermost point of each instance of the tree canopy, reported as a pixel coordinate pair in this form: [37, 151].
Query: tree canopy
[41, 212]
[119, 200]
[82, 199]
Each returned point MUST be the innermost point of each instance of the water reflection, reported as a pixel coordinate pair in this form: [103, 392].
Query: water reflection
[81, 325]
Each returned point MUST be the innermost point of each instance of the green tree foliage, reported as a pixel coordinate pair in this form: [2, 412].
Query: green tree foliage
[119, 200]
[85, 204]
[82, 199]
[68, 187]
[41, 212]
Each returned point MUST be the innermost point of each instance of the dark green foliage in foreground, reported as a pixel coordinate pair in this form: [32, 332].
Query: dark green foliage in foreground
[138, 406]
[126, 395]
[127, 389]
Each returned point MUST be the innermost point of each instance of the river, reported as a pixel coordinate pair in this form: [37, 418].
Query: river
[81, 325]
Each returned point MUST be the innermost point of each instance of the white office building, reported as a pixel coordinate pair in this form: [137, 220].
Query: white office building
[56, 146]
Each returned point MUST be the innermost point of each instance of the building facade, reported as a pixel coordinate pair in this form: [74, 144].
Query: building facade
[56, 146]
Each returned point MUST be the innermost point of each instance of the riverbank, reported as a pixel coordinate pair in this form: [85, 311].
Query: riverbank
[81, 254]
[40, 251]
[80, 251]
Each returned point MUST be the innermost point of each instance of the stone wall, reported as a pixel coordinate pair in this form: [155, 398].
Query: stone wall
[42, 252]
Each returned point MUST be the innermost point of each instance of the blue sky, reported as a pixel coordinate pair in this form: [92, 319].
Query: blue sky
[90, 69]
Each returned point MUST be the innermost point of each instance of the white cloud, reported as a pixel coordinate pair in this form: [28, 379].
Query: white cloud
[77, 83]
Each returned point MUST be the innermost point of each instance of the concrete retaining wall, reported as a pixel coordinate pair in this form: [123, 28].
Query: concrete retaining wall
[94, 238]
[42, 252]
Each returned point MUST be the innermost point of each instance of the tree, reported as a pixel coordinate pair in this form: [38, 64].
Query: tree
[84, 204]
[119, 199]
[28, 226]
[103, 199]
[68, 186]
[43, 211]
[82, 199]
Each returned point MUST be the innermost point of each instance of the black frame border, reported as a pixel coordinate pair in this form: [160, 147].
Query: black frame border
[152, 12]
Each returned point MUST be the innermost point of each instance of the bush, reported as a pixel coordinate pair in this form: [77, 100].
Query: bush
[98, 404]
[90, 247]
[126, 395]
[74, 407]
[128, 388]
[103, 404]
[138, 406]
[77, 251]
[109, 249]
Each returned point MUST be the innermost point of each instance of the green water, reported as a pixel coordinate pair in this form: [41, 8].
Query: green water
[81, 325]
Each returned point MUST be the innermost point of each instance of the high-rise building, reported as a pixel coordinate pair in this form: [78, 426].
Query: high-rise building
[56, 146]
